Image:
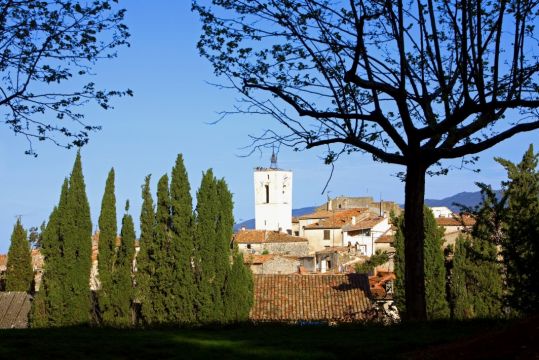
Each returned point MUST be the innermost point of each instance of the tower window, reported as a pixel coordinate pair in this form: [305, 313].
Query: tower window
[267, 194]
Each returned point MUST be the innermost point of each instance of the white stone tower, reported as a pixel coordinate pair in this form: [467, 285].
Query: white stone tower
[273, 198]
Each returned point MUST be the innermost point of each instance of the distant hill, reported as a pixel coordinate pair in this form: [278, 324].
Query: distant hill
[470, 199]
[250, 224]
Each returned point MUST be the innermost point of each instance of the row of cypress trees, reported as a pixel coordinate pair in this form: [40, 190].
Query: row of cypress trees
[492, 271]
[184, 273]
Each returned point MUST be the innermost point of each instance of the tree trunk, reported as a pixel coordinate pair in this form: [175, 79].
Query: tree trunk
[414, 239]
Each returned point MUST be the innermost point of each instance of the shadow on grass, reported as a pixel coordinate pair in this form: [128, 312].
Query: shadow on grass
[243, 341]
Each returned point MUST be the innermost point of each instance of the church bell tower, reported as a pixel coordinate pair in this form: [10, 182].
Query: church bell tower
[273, 198]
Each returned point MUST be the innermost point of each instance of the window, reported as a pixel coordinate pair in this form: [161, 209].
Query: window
[296, 233]
[267, 194]
[248, 246]
[289, 232]
[326, 235]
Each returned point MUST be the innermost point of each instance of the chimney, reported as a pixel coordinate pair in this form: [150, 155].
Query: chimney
[330, 205]
[353, 220]
[243, 228]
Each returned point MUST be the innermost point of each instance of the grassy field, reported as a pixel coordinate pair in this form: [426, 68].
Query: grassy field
[240, 342]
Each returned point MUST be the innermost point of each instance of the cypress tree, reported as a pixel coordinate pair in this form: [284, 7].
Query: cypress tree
[48, 307]
[76, 228]
[238, 295]
[521, 248]
[108, 231]
[437, 306]
[182, 249]
[399, 295]
[122, 293]
[163, 280]
[205, 235]
[223, 238]
[476, 283]
[19, 272]
[146, 259]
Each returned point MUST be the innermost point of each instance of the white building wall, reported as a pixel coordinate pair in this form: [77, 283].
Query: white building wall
[366, 243]
[273, 199]
[441, 212]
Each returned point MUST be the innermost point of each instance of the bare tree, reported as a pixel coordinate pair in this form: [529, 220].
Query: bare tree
[46, 43]
[410, 82]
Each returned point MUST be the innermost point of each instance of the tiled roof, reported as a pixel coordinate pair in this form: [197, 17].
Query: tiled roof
[377, 283]
[321, 214]
[385, 239]
[368, 223]
[456, 221]
[261, 259]
[338, 219]
[257, 259]
[333, 249]
[310, 297]
[14, 309]
[263, 236]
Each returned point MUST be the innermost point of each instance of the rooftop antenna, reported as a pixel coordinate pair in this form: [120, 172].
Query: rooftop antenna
[273, 159]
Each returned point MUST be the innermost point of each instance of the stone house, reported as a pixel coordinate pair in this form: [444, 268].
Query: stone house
[325, 228]
[261, 242]
[454, 226]
[363, 233]
[272, 264]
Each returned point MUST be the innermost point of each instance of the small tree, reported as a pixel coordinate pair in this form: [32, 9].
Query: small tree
[435, 275]
[378, 258]
[521, 247]
[238, 294]
[19, 272]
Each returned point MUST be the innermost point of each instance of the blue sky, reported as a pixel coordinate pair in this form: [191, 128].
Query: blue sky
[170, 114]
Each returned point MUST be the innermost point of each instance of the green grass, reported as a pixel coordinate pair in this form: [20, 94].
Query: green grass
[240, 342]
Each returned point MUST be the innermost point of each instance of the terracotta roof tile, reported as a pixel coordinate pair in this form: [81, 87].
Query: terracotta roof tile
[14, 309]
[385, 239]
[465, 220]
[368, 223]
[338, 219]
[257, 259]
[263, 236]
[310, 297]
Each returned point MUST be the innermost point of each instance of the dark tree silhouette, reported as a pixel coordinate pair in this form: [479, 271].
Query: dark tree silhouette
[45, 43]
[410, 82]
